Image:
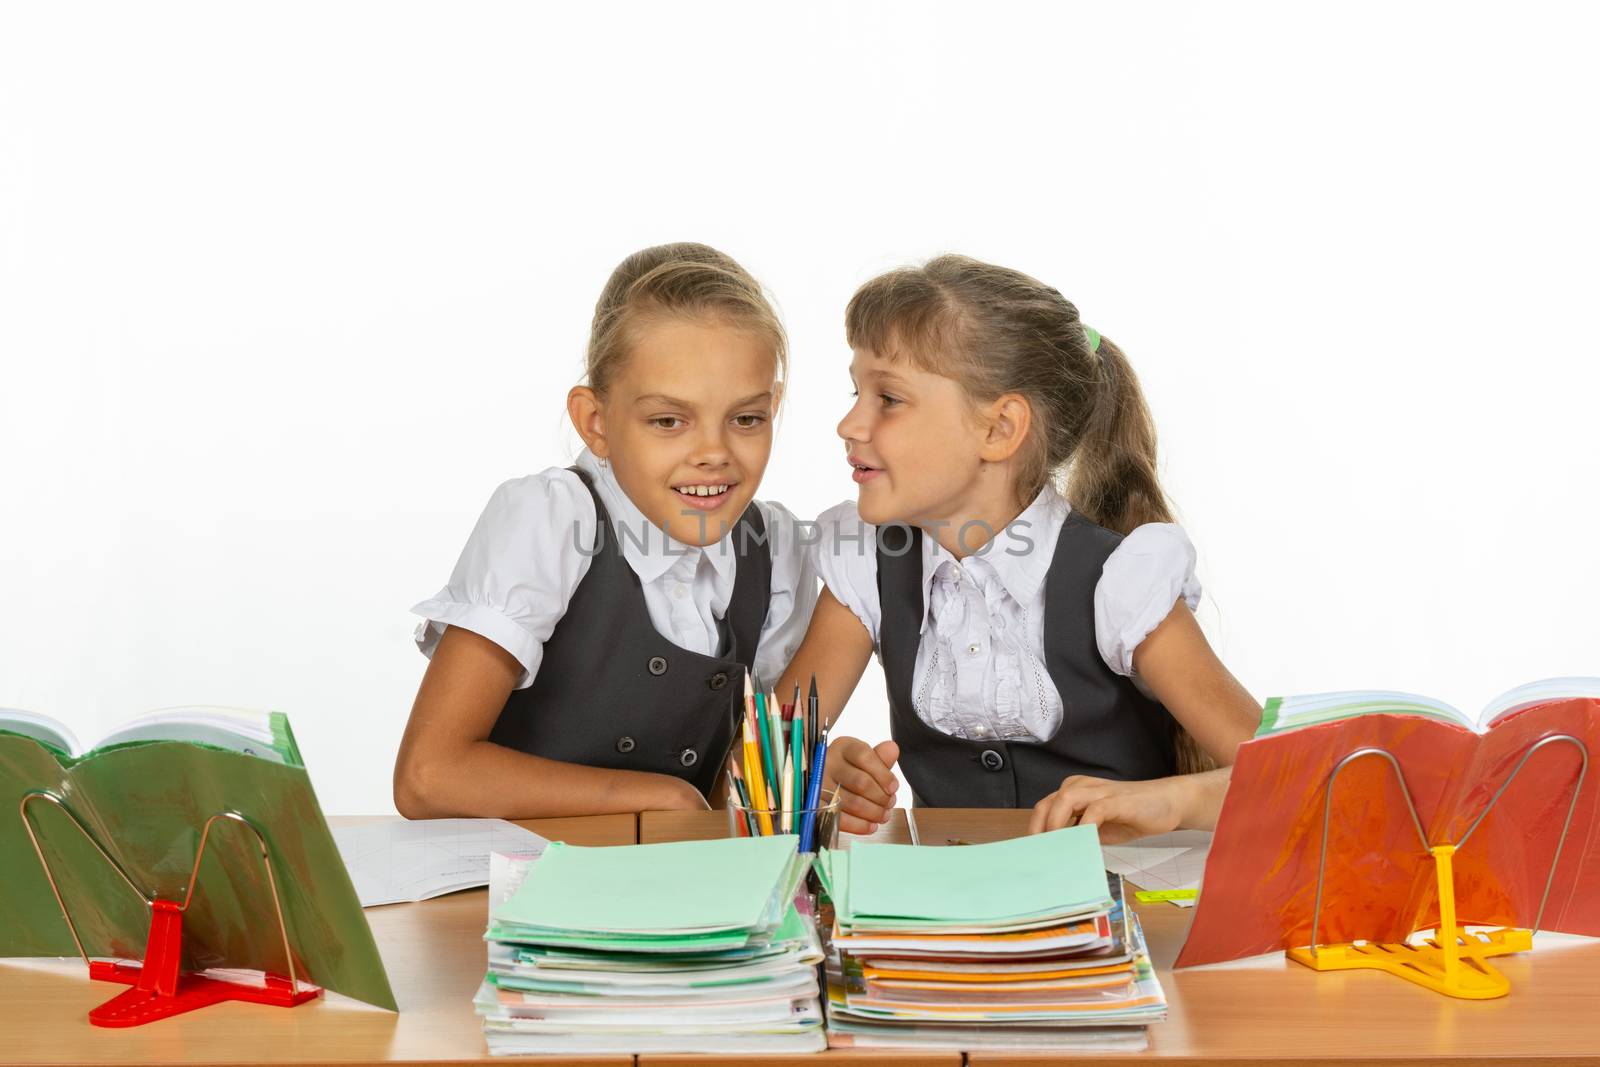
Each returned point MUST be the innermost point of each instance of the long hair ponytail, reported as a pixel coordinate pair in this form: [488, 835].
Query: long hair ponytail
[1112, 472]
[1112, 481]
[995, 330]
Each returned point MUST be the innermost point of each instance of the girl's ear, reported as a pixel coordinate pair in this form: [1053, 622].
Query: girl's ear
[588, 418]
[1008, 419]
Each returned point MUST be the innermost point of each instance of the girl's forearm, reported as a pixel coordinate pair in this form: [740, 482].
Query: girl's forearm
[1202, 798]
[836, 650]
[485, 780]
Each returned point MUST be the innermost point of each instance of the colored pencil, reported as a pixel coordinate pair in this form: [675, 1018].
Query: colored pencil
[788, 796]
[797, 745]
[786, 749]
[781, 734]
[801, 763]
[775, 724]
[769, 784]
[808, 829]
[753, 780]
[747, 824]
[813, 717]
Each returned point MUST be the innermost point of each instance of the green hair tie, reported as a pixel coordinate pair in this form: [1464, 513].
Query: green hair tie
[1094, 337]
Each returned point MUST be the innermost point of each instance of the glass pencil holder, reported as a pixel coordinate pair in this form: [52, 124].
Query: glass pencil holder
[816, 827]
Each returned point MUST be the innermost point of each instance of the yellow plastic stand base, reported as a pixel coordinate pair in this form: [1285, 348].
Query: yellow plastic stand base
[1450, 962]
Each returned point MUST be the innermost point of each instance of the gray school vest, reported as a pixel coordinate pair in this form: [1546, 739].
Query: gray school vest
[612, 692]
[1108, 728]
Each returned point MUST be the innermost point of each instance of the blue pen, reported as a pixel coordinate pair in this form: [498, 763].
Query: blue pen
[808, 831]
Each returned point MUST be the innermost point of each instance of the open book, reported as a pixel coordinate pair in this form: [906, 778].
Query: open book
[144, 793]
[1288, 713]
[1261, 876]
[251, 733]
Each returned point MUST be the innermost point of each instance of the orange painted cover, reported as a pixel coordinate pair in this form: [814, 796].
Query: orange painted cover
[1261, 876]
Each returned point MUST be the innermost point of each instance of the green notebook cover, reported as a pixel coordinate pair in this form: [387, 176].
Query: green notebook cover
[146, 802]
[1042, 874]
[687, 889]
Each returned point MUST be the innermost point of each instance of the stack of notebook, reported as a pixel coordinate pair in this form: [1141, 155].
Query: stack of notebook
[1017, 944]
[692, 946]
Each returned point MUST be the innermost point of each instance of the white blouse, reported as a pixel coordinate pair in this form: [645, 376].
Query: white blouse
[980, 670]
[531, 548]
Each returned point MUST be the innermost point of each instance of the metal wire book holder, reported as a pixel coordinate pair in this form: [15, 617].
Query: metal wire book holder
[1452, 961]
[160, 990]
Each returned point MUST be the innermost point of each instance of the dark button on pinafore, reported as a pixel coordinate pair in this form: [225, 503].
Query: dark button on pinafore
[612, 692]
[1108, 728]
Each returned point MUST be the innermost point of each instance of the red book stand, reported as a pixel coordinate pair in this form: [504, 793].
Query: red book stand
[160, 989]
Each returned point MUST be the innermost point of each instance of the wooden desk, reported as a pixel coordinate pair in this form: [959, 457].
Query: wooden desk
[1248, 1013]
[434, 953]
[1241, 1014]
[657, 826]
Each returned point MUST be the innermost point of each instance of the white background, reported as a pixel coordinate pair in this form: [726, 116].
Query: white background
[286, 290]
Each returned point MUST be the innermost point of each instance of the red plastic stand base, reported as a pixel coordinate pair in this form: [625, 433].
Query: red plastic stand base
[161, 991]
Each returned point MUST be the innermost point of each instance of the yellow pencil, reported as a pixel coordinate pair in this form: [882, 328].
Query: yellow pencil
[752, 782]
[758, 787]
[752, 760]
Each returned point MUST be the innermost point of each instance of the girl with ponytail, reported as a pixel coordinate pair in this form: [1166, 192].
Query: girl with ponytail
[1012, 561]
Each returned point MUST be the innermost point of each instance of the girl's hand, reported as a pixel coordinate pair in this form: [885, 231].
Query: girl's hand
[1122, 810]
[866, 782]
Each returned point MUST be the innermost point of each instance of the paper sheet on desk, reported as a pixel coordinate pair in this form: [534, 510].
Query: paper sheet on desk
[1163, 862]
[395, 861]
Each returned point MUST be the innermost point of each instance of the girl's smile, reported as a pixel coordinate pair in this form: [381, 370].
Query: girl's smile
[706, 497]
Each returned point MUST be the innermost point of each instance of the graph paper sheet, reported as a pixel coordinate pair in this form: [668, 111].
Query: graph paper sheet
[395, 861]
[1163, 862]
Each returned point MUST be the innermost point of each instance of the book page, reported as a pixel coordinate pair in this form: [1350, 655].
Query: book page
[235, 729]
[41, 728]
[1541, 692]
[1287, 713]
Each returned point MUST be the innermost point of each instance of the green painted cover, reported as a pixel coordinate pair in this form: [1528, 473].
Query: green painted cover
[146, 802]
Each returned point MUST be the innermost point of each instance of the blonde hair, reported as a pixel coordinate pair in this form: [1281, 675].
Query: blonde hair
[686, 279]
[994, 331]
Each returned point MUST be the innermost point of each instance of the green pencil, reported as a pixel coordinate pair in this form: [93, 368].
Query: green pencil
[797, 745]
[764, 731]
[775, 724]
[799, 715]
